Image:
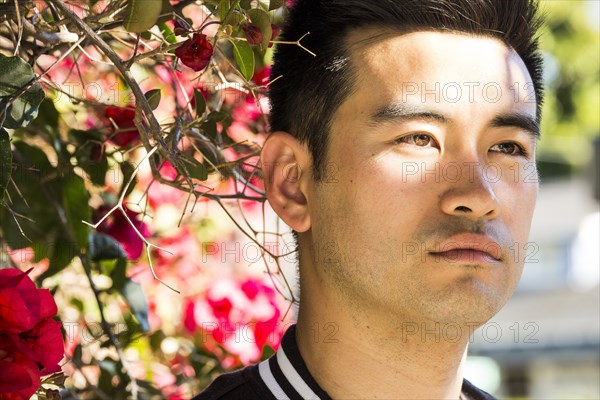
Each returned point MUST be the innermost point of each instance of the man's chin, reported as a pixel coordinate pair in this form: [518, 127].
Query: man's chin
[472, 305]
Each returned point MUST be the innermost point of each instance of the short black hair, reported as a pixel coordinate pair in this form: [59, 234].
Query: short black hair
[311, 89]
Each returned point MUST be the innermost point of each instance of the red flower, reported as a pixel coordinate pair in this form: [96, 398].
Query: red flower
[31, 342]
[180, 27]
[189, 320]
[121, 230]
[195, 52]
[19, 377]
[22, 305]
[252, 33]
[276, 30]
[127, 133]
[43, 343]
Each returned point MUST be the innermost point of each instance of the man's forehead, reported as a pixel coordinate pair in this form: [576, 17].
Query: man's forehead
[453, 73]
[364, 41]
[427, 56]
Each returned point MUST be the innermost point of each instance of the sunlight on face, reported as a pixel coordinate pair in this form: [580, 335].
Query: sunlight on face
[436, 181]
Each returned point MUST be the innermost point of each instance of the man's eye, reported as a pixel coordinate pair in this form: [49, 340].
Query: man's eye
[509, 148]
[417, 139]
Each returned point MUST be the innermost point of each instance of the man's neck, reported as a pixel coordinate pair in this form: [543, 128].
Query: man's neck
[366, 354]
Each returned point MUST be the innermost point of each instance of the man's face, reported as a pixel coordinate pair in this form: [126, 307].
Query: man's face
[426, 206]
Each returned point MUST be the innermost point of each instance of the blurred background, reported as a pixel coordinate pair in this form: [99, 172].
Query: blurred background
[545, 344]
[237, 283]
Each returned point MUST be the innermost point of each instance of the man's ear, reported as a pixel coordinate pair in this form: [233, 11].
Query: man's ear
[286, 164]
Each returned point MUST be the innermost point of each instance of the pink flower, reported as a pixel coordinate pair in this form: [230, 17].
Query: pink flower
[242, 317]
[261, 77]
[189, 320]
[250, 110]
[159, 194]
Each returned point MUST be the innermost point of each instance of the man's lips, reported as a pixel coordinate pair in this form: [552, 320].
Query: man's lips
[468, 248]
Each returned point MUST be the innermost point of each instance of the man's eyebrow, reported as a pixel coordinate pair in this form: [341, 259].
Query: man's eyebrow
[517, 120]
[398, 112]
[402, 112]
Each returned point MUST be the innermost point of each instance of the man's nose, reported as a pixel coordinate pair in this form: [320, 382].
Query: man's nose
[472, 195]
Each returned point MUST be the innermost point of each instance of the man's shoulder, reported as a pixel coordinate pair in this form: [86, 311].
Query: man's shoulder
[474, 393]
[242, 384]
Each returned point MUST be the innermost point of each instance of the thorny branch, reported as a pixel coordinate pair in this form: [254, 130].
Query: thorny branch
[89, 30]
[67, 34]
[61, 214]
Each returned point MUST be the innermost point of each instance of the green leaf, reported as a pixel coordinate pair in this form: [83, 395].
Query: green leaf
[77, 303]
[47, 122]
[261, 19]
[5, 162]
[134, 294]
[47, 118]
[80, 137]
[196, 169]
[110, 366]
[131, 332]
[142, 15]
[167, 33]
[104, 247]
[246, 4]
[274, 4]
[244, 57]
[229, 13]
[16, 74]
[30, 200]
[59, 251]
[267, 351]
[200, 102]
[148, 389]
[127, 170]
[118, 275]
[209, 127]
[108, 369]
[220, 116]
[75, 205]
[153, 97]
[96, 170]
[224, 6]
[77, 353]
[166, 12]
[156, 338]
[88, 146]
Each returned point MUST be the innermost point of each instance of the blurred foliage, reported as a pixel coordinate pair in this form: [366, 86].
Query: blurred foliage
[571, 113]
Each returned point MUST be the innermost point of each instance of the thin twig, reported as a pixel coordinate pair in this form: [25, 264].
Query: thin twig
[20, 28]
[297, 43]
[119, 206]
